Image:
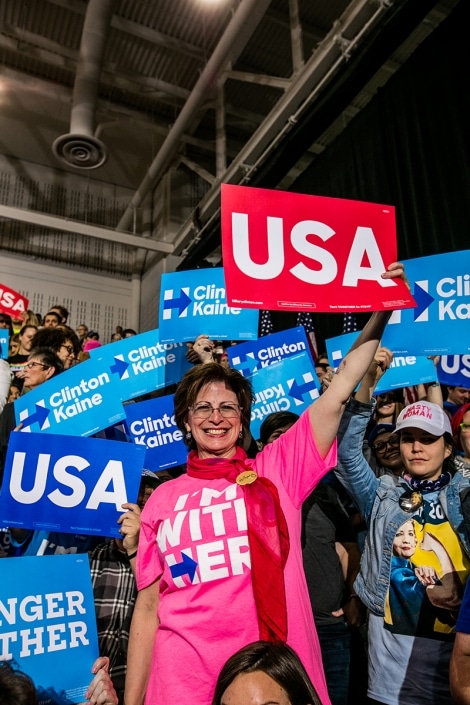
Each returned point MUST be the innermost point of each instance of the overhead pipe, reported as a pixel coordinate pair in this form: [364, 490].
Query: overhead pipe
[80, 148]
[244, 22]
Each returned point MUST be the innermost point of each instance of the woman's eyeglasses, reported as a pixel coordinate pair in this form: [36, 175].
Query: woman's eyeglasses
[203, 410]
[393, 442]
[465, 427]
[69, 349]
[32, 365]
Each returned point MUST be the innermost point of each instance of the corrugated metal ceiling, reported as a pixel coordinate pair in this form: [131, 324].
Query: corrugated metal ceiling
[154, 55]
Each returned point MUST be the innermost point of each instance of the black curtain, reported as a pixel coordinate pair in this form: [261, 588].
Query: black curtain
[410, 147]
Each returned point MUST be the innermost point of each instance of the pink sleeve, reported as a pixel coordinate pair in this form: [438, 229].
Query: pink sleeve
[294, 460]
[148, 566]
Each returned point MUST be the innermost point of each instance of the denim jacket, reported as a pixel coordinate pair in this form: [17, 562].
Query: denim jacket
[377, 499]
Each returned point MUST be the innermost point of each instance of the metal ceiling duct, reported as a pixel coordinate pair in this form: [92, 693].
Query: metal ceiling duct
[80, 148]
[245, 20]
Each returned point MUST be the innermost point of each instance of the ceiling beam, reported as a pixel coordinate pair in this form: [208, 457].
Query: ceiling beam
[73, 226]
[151, 35]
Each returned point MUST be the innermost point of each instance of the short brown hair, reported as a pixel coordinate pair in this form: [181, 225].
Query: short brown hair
[201, 375]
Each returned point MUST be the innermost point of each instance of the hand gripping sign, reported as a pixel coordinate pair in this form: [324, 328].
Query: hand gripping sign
[288, 251]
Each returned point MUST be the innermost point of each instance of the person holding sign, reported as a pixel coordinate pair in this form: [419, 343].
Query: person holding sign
[219, 563]
[413, 594]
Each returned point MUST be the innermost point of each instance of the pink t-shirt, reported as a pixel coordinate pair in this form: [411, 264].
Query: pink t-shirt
[194, 539]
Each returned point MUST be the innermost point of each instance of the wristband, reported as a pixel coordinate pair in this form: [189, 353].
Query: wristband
[131, 555]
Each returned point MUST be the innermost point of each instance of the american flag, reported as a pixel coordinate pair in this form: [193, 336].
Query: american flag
[305, 319]
[266, 324]
[349, 323]
[410, 395]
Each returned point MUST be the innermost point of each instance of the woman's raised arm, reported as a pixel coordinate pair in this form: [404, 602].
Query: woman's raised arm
[326, 412]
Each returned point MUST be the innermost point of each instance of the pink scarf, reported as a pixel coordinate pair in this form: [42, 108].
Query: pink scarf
[268, 537]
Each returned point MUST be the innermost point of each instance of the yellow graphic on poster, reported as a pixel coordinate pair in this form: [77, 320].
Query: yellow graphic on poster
[427, 576]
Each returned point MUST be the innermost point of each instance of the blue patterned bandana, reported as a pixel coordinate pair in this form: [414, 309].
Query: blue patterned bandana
[428, 485]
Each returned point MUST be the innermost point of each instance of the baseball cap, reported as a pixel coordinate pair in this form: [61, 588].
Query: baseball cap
[378, 429]
[426, 416]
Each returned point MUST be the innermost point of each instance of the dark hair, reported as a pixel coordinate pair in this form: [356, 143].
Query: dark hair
[54, 338]
[47, 357]
[274, 421]
[198, 377]
[322, 355]
[53, 313]
[16, 687]
[449, 463]
[128, 331]
[5, 318]
[279, 662]
[62, 310]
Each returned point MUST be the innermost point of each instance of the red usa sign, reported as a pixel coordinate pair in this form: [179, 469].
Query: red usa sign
[12, 302]
[308, 253]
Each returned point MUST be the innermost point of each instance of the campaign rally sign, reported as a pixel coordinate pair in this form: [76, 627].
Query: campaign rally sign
[12, 302]
[288, 385]
[64, 484]
[151, 425]
[440, 323]
[142, 364]
[4, 341]
[404, 371]
[454, 370]
[77, 402]
[194, 302]
[253, 355]
[48, 624]
[289, 251]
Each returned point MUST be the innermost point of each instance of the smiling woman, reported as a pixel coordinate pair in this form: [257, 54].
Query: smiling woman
[417, 554]
[219, 563]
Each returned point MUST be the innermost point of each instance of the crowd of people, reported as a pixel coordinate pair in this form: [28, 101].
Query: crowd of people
[324, 562]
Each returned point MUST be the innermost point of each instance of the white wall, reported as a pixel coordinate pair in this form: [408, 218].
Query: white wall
[99, 301]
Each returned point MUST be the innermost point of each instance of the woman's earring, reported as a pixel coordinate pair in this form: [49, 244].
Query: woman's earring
[240, 435]
[188, 436]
